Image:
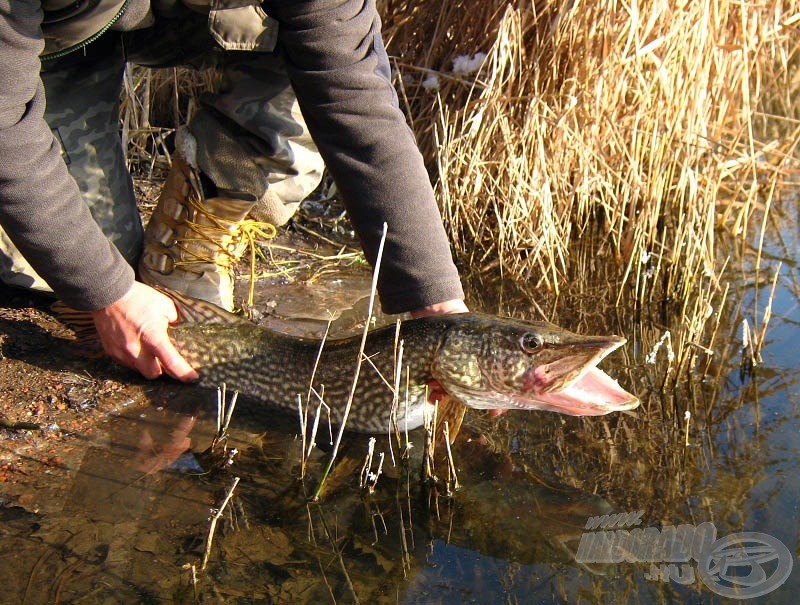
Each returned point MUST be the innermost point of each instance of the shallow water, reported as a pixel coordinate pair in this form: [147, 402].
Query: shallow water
[127, 521]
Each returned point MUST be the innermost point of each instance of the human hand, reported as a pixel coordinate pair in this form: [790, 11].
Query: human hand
[133, 331]
[449, 306]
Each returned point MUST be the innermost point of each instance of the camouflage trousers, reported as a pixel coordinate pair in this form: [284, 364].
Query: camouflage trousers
[250, 136]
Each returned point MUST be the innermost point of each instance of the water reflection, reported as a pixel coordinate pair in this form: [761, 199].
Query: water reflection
[122, 525]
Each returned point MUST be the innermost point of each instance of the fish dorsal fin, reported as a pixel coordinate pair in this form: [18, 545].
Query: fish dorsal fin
[87, 340]
[194, 310]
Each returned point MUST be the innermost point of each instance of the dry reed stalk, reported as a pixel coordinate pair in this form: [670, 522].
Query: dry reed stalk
[309, 441]
[767, 313]
[217, 514]
[452, 475]
[357, 372]
[639, 116]
[224, 414]
[368, 478]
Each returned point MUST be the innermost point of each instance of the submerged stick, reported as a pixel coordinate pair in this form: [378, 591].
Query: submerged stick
[338, 555]
[18, 426]
[214, 519]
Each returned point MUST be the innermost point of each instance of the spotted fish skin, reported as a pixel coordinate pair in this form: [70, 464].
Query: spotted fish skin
[275, 368]
[480, 361]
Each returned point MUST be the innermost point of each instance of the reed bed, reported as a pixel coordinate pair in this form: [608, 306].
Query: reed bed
[655, 458]
[646, 127]
[635, 121]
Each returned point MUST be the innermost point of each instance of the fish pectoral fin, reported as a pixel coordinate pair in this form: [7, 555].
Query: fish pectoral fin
[451, 411]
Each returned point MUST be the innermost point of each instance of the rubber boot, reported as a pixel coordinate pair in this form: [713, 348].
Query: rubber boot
[191, 244]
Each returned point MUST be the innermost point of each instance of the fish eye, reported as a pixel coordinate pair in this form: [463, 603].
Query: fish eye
[530, 341]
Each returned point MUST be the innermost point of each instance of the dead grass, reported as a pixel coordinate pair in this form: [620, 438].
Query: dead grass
[640, 123]
[637, 120]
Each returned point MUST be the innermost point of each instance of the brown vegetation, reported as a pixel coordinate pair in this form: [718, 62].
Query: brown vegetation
[600, 150]
[640, 120]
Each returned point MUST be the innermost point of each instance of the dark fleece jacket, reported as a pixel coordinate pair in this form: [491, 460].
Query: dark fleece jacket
[339, 70]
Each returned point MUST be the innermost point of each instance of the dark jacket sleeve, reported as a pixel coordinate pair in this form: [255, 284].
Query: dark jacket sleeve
[41, 209]
[340, 72]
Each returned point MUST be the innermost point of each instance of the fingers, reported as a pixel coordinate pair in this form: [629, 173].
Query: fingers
[133, 331]
[152, 361]
[131, 353]
[157, 349]
[173, 363]
[157, 342]
[147, 365]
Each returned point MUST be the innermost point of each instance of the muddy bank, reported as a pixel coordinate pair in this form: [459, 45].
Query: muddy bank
[52, 393]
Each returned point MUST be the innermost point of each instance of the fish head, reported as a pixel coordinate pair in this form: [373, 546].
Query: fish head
[496, 363]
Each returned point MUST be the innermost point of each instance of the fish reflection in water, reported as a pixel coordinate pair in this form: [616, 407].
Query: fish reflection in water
[373, 545]
[134, 514]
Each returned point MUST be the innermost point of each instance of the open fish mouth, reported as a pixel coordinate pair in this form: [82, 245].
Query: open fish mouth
[567, 381]
[592, 393]
[574, 385]
[515, 365]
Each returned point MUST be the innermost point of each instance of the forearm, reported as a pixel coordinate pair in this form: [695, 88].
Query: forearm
[340, 73]
[40, 206]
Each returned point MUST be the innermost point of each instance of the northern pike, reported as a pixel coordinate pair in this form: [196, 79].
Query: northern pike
[481, 361]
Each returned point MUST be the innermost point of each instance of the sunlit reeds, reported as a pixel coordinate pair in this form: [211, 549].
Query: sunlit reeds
[636, 119]
[650, 125]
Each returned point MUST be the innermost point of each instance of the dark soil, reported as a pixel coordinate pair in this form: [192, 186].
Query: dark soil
[53, 391]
